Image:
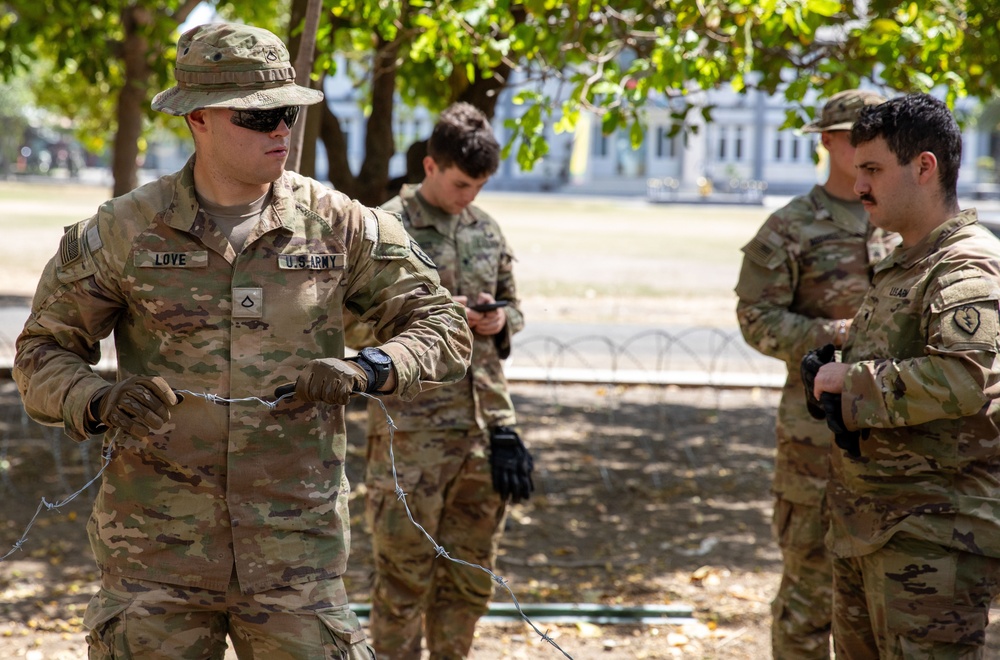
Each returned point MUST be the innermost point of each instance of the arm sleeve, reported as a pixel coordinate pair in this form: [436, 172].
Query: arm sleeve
[957, 376]
[766, 290]
[60, 342]
[391, 290]
[507, 290]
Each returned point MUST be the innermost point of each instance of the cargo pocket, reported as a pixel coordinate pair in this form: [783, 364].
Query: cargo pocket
[106, 624]
[346, 640]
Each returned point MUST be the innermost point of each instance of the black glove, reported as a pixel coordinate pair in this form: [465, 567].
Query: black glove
[849, 441]
[511, 463]
[137, 405]
[811, 363]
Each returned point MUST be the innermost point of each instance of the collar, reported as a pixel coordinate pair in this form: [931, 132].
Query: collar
[182, 212]
[907, 257]
[422, 214]
[836, 211]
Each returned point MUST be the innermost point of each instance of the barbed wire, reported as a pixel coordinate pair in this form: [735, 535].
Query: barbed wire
[441, 552]
[50, 506]
[400, 494]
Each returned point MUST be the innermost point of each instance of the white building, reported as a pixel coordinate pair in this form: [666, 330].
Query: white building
[742, 144]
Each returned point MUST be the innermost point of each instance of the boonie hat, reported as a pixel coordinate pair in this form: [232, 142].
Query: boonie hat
[842, 110]
[226, 65]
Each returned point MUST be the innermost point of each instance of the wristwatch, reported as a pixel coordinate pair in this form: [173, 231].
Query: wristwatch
[376, 365]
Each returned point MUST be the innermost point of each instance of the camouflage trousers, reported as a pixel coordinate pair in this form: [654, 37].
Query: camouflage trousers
[131, 618]
[446, 477]
[801, 610]
[913, 599]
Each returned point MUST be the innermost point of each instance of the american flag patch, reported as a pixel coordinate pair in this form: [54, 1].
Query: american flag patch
[69, 246]
[759, 250]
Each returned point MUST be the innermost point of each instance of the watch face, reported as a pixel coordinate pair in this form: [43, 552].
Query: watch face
[376, 356]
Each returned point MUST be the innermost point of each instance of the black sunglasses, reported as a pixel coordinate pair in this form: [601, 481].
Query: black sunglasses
[265, 121]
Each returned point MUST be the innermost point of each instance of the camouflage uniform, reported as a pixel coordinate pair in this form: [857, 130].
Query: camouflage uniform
[238, 487]
[441, 456]
[922, 502]
[808, 266]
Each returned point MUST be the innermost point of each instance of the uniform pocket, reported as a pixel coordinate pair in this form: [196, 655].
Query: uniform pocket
[346, 640]
[106, 623]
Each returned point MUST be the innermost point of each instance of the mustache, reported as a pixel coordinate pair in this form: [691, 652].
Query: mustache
[867, 198]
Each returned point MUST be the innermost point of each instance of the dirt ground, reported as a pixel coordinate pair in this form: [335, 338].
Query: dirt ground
[649, 496]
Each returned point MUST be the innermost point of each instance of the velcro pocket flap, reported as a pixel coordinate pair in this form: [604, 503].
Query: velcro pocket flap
[343, 623]
[105, 606]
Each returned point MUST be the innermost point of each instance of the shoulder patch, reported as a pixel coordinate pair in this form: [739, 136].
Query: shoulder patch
[393, 242]
[967, 318]
[420, 254]
[94, 241]
[765, 249]
[971, 326]
[76, 248]
[69, 246]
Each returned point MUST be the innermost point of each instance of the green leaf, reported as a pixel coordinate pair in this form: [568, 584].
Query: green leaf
[637, 134]
[824, 7]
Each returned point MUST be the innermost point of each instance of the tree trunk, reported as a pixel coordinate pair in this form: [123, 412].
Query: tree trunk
[373, 178]
[310, 134]
[125, 154]
[304, 47]
[337, 162]
[484, 92]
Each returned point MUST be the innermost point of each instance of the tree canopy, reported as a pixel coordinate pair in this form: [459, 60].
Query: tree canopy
[100, 63]
[106, 60]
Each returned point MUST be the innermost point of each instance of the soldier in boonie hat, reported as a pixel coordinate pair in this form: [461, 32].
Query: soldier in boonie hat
[239, 67]
[841, 110]
[226, 273]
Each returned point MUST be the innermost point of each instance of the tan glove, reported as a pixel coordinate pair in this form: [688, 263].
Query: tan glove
[330, 380]
[137, 405]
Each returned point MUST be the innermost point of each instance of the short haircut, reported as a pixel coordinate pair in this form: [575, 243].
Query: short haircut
[463, 137]
[913, 124]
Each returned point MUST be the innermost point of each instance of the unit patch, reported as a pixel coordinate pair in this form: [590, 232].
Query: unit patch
[417, 250]
[967, 319]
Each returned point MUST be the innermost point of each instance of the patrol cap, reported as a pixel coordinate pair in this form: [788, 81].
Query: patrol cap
[842, 109]
[226, 65]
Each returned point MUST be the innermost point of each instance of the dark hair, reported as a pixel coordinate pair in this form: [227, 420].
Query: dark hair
[913, 124]
[463, 137]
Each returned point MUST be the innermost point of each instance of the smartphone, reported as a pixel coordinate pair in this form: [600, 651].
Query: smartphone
[488, 307]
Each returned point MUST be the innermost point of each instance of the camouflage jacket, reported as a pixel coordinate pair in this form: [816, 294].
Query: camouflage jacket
[808, 267]
[923, 385]
[240, 483]
[471, 256]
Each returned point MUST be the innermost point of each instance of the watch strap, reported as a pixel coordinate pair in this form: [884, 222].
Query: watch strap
[377, 374]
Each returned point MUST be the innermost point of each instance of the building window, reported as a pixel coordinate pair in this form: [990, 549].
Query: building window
[600, 143]
[779, 143]
[666, 146]
[738, 144]
[722, 143]
[795, 150]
